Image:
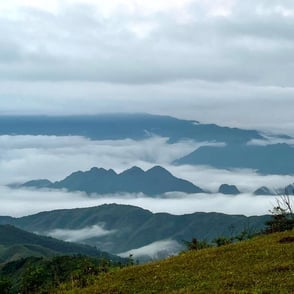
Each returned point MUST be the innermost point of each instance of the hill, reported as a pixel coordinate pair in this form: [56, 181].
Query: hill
[119, 228]
[154, 181]
[264, 264]
[16, 243]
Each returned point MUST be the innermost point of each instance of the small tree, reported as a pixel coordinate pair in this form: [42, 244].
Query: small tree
[282, 214]
[194, 244]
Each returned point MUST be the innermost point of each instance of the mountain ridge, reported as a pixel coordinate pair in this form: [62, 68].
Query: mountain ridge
[120, 126]
[133, 227]
[154, 181]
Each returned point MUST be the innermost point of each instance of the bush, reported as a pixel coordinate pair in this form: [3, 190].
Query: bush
[196, 245]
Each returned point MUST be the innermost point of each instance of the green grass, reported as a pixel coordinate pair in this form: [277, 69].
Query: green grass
[259, 265]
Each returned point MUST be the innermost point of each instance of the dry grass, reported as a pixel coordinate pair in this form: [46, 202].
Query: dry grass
[260, 265]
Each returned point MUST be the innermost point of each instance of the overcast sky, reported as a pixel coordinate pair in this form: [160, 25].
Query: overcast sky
[224, 61]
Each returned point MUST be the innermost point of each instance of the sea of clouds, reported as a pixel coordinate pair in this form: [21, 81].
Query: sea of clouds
[23, 158]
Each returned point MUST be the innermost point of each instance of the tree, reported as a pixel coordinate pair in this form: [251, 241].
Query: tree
[282, 214]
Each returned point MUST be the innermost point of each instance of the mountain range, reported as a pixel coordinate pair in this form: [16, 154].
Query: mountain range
[121, 126]
[269, 159]
[154, 181]
[120, 228]
[239, 147]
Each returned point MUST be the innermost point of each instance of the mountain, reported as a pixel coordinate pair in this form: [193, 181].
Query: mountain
[121, 126]
[269, 159]
[289, 190]
[264, 264]
[228, 189]
[119, 228]
[264, 191]
[154, 181]
[238, 150]
[16, 243]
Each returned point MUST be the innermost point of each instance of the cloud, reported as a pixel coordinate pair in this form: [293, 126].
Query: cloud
[272, 140]
[139, 42]
[23, 158]
[246, 180]
[21, 202]
[79, 235]
[154, 250]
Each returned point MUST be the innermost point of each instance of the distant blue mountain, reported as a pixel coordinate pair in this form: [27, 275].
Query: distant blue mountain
[264, 191]
[270, 159]
[121, 126]
[237, 153]
[154, 181]
[228, 189]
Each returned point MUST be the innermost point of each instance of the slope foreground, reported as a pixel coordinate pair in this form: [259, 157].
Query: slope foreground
[264, 264]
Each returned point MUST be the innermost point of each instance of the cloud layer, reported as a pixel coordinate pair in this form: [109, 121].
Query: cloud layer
[24, 158]
[135, 42]
[24, 202]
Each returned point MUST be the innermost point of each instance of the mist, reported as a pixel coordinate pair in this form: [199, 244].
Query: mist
[154, 250]
[80, 235]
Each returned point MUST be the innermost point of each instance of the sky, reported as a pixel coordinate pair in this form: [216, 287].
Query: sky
[224, 61]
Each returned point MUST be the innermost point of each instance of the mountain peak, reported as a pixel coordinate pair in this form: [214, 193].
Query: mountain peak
[158, 170]
[135, 170]
[228, 189]
[101, 171]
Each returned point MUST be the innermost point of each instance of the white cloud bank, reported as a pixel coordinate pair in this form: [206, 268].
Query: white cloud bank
[23, 202]
[154, 250]
[79, 235]
[24, 158]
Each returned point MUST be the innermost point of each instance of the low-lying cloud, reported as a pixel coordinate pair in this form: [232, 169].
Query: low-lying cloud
[24, 158]
[81, 234]
[21, 202]
[154, 250]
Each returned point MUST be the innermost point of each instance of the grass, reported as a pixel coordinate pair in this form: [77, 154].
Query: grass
[260, 265]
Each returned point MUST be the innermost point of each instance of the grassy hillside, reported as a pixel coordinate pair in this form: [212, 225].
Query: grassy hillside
[264, 264]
